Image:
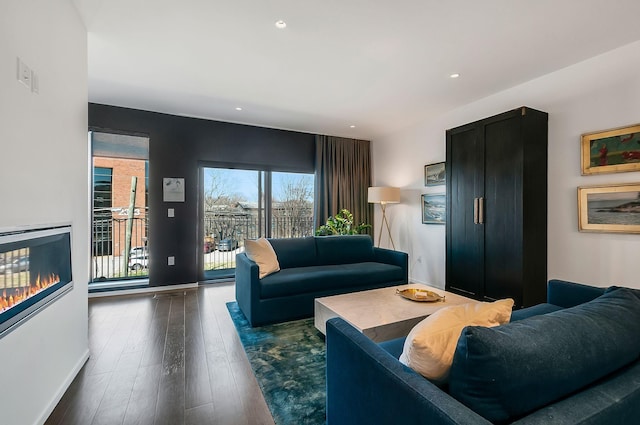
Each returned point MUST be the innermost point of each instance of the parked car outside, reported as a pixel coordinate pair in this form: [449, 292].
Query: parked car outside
[138, 251]
[227, 245]
[139, 262]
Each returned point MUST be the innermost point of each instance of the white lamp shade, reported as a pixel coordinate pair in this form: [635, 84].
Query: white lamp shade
[384, 195]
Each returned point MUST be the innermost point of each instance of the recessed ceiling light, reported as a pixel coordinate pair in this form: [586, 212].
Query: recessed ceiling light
[455, 75]
[352, 126]
[238, 108]
[281, 24]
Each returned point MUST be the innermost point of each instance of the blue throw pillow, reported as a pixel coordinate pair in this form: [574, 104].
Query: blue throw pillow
[506, 372]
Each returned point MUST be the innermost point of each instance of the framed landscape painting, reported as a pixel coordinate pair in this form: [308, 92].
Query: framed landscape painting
[434, 208]
[434, 174]
[611, 151]
[610, 209]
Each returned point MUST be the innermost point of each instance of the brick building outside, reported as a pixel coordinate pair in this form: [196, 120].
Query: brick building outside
[121, 172]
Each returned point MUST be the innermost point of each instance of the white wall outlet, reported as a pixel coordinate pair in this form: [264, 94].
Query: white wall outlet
[171, 261]
[171, 212]
[24, 73]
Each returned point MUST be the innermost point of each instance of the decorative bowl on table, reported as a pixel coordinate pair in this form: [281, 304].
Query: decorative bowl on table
[418, 294]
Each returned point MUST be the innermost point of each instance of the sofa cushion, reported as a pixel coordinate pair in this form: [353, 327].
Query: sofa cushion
[344, 249]
[535, 310]
[569, 294]
[393, 346]
[430, 345]
[261, 252]
[295, 252]
[505, 372]
[302, 280]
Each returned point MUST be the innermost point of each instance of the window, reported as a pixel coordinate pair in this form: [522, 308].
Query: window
[102, 202]
[292, 205]
[248, 204]
[120, 229]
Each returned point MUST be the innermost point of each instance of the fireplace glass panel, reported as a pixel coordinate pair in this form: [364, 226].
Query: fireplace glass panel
[35, 269]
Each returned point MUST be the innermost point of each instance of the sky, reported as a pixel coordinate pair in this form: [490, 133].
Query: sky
[245, 182]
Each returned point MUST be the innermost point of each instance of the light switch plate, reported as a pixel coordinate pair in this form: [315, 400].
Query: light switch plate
[171, 261]
[35, 82]
[24, 73]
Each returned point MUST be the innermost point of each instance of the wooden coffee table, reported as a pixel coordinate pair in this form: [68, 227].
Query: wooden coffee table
[381, 314]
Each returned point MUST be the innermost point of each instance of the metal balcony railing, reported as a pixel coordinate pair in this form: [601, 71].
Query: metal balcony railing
[225, 235]
[107, 257]
[224, 238]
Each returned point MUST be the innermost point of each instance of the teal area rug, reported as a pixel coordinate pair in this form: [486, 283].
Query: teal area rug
[288, 360]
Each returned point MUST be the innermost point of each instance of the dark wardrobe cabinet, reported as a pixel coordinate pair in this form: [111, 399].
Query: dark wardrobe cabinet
[496, 236]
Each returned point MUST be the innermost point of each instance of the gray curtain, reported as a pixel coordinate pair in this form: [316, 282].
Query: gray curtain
[343, 176]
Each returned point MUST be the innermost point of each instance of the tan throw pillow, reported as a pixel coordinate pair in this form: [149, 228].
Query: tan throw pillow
[430, 345]
[261, 252]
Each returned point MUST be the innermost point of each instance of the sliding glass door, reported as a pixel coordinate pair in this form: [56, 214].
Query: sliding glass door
[248, 204]
[233, 212]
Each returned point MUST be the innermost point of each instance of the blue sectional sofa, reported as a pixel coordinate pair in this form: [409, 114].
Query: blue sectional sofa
[314, 267]
[572, 360]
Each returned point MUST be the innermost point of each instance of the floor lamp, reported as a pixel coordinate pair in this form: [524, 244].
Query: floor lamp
[384, 196]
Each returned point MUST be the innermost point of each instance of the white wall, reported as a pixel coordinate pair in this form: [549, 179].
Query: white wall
[43, 179]
[598, 94]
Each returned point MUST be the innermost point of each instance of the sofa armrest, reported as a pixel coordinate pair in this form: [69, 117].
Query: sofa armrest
[396, 258]
[367, 385]
[247, 285]
[569, 294]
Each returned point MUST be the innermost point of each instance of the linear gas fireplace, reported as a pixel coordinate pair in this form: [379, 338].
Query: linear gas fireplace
[35, 270]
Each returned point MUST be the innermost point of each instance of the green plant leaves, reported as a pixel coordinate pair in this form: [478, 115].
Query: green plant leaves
[341, 224]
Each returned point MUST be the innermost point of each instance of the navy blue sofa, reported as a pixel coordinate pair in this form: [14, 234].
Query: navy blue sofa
[314, 267]
[572, 360]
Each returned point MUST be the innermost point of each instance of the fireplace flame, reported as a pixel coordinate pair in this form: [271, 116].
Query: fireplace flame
[18, 295]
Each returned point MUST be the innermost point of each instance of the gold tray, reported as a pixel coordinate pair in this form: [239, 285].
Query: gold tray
[422, 295]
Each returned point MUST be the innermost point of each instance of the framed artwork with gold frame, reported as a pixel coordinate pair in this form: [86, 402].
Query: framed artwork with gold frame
[611, 151]
[610, 208]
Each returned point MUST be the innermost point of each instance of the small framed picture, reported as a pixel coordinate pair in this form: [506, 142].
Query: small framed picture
[609, 209]
[611, 151]
[434, 174]
[434, 208]
[173, 189]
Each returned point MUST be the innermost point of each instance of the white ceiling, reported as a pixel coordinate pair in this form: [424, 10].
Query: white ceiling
[377, 64]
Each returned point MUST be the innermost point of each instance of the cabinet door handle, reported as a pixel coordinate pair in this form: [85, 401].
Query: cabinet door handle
[481, 210]
[476, 202]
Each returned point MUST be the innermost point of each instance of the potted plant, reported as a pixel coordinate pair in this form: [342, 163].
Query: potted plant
[341, 224]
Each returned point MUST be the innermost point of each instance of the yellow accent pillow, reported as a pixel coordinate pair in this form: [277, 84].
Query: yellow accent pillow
[261, 252]
[430, 345]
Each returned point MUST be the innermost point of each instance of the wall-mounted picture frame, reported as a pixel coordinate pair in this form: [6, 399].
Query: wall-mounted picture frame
[173, 189]
[611, 151]
[609, 208]
[434, 208]
[434, 174]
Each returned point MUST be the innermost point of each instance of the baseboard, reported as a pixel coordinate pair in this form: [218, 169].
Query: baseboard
[433, 285]
[147, 289]
[63, 388]
[414, 280]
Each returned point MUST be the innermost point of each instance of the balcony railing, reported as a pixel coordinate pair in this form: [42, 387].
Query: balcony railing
[224, 238]
[107, 260]
[225, 235]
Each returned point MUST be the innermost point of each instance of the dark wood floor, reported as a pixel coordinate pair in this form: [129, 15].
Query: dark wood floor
[168, 358]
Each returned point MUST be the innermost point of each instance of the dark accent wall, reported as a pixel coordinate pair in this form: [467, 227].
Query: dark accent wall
[177, 147]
